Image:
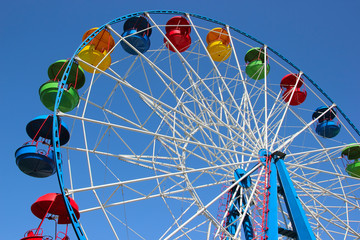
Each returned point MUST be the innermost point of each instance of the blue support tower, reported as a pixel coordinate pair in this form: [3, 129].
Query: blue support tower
[233, 213]
[297, 215]
[280, 183]
[247, 225]
[272, 221]
[270, 216]
[238, 207]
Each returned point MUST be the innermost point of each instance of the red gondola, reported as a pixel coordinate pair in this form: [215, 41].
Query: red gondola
[293, 89]
[178, 32]
[51, 206]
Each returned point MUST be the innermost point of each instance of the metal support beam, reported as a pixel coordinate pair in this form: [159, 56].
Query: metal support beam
[297, 214]
[233, 213]
[238, 207]
[272, 221]
[247, 225]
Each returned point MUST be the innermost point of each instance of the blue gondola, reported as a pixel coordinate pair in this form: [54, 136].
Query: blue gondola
[325, 126]
[41, 126]
[136, 32]
[35, 161]
[35, 158]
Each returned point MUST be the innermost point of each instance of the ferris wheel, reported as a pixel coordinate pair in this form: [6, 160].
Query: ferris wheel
[179, 126]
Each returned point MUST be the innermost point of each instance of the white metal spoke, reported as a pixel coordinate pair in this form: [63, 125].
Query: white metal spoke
[157, 137]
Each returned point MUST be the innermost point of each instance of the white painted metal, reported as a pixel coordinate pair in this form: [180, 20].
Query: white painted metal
[163, 132]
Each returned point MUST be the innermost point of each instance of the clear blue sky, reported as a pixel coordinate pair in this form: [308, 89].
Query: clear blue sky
[320, 37]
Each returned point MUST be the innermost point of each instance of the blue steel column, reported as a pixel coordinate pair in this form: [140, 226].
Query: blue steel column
[272, 221]
[247, 225]
[271, 228]
[245, 183]
[232, 218]
[236, 208]
[297, 214]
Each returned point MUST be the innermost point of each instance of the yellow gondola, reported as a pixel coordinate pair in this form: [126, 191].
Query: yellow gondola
[95, 58]
[218, 41]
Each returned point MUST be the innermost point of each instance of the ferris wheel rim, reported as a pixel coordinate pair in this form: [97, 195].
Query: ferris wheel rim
[63, 80]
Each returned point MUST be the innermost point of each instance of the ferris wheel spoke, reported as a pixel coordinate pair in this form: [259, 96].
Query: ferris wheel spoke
[172, 125]
[193, 85]
[106, 215]
[196, 143]
[157, 135]
[320, 171]
[106, 111]
[143, 198]
[323, 191]
[190, 230]
[277, 104]
[131, 68]
[178, 219]
[156, 69]
[335, 149]
[164, 194]
[316, 219]
[222, 79]
[175, 174]
[96, 68]
[155, 105]
[341, 223]
[219, 75]
[140, 160]
[247, 208]
[124, 224]
[226, 213]
[221, 123]
[287, 105]
[293, 136]
[212, 201]
[285, 216]
[265, 100]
